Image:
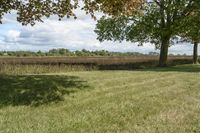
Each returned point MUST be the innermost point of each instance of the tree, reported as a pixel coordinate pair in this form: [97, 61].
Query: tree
[158, 23]
[191, 32]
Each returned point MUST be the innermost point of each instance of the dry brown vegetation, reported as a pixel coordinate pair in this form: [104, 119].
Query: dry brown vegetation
[36, 65]
[87, 60]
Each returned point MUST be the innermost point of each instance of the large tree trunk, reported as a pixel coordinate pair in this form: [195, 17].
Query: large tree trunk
[164, 52]
[195, 53]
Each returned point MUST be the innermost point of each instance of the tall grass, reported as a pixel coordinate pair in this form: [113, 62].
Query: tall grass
[62, 64]
[39, 69]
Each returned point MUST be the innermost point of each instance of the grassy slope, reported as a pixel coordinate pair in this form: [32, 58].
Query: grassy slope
[160, 100]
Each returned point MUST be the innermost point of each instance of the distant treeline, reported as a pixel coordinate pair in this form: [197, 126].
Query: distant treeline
[81, 53]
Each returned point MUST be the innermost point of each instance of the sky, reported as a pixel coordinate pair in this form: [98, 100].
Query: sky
[70, 34]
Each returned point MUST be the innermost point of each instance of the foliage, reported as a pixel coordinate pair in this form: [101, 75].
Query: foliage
[6, 6]
[30, 11]
[191, 28]
[66, 52]
[191, 32]
[77, 53]
[115, 7]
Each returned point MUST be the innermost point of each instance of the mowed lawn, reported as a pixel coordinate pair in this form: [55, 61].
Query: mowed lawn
[143, 101]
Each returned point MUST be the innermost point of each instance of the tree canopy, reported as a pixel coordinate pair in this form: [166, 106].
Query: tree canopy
[30, 11]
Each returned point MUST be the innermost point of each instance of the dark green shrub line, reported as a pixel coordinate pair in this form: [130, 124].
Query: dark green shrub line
[78, 53]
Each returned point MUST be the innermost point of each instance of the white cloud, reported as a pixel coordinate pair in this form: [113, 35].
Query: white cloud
[12, 36]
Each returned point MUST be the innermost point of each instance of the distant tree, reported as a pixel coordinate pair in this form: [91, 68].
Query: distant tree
[153, 53]
[62, 51]
[53, 52]
[85, 52]
[39, 53]
[158, 23]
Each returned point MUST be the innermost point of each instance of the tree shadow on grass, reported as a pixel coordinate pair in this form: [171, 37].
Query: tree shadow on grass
[35, 90]
[179, 68]
[176, 65]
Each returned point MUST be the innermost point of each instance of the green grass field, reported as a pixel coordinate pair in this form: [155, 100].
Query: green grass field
[143, 101]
